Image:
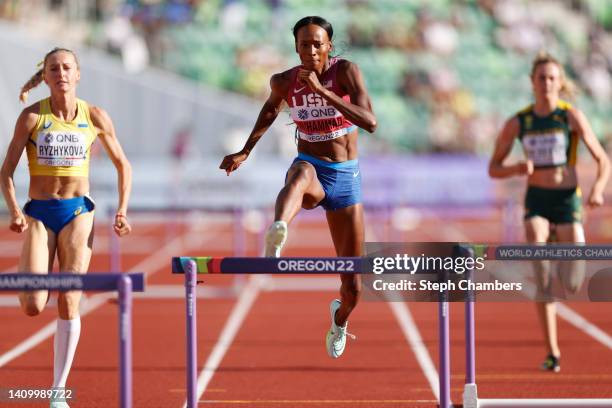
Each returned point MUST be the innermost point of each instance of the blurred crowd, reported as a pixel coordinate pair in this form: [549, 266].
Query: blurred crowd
[443, 74]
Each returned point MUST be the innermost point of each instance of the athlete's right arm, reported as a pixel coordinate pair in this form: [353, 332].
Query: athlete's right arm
[503, 146]
[23, 128]
[279, 84]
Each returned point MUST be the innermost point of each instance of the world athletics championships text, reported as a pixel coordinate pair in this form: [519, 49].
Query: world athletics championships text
[41, 282]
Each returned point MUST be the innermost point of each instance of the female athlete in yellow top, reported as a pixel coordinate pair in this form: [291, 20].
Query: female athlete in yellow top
[57, 134]
[549, 131]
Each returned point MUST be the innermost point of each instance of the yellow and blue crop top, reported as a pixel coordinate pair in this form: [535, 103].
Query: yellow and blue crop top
[61, 148]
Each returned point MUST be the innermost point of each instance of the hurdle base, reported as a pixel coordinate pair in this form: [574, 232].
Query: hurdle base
[522, 403]
[470, 396]
[471, 400]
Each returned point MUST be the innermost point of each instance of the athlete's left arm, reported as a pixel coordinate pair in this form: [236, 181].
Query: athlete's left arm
[579, 123]
[106, 134]
[359, 109]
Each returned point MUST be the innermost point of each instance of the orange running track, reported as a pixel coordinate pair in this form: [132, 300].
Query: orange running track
[277, 357]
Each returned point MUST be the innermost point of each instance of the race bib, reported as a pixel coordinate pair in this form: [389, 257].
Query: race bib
[547, 149]
[325, 136]
[58, 148]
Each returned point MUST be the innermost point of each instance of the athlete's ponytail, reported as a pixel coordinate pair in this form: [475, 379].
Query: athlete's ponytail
[38, 77]
[33, 82]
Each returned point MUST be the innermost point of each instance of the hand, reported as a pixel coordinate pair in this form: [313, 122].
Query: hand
[19, 223]
[121, 226]
[231, 162]
[309, 78]
[596, 199]
[525, 168]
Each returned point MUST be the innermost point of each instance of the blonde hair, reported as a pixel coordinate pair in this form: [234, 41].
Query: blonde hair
[37, 78]
[568, 88]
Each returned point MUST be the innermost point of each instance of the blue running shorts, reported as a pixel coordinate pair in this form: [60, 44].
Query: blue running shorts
[56, 214]
[341, 181]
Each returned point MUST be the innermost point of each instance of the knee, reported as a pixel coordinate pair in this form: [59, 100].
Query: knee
[32, 305]
[573, 287]
[32, 308]
[544, 295]
[572, 275]
[68, 305]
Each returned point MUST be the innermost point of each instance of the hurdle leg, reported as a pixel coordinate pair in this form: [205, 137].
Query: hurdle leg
[470, 391]
[191, 327]
[125, 341]
[444, 350]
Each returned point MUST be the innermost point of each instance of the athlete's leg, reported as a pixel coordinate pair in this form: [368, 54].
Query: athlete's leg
[346, 226]
[74, 248]
[37, 255]
[347, 231]
[302, 190]
[571, 273]
[537, 231]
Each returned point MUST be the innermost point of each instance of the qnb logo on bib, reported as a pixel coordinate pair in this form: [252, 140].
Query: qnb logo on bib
[302, 114]
[546, 149]
[314, 113]
[61, 149]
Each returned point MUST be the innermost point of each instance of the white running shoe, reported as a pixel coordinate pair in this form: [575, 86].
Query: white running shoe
[336, 336]
[276, 236]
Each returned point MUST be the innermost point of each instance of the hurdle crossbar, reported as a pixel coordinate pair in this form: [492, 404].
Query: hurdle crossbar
[258, 265]
[125, 284]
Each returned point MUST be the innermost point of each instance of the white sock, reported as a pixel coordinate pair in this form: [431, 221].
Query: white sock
[64, 346]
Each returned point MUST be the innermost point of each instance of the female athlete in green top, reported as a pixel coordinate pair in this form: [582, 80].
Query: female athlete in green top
[549, 131]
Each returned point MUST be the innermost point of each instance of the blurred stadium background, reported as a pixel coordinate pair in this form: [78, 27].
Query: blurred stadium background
[184, 81]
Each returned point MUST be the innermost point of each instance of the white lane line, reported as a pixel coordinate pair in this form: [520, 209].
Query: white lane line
[564, 311]
[411, 331]
[583, 324]
[247, 297]
[413, 336]
[48, 330]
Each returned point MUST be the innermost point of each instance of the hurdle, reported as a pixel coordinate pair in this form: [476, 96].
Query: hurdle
[125, 284]
[192, 266]
[470, 390]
